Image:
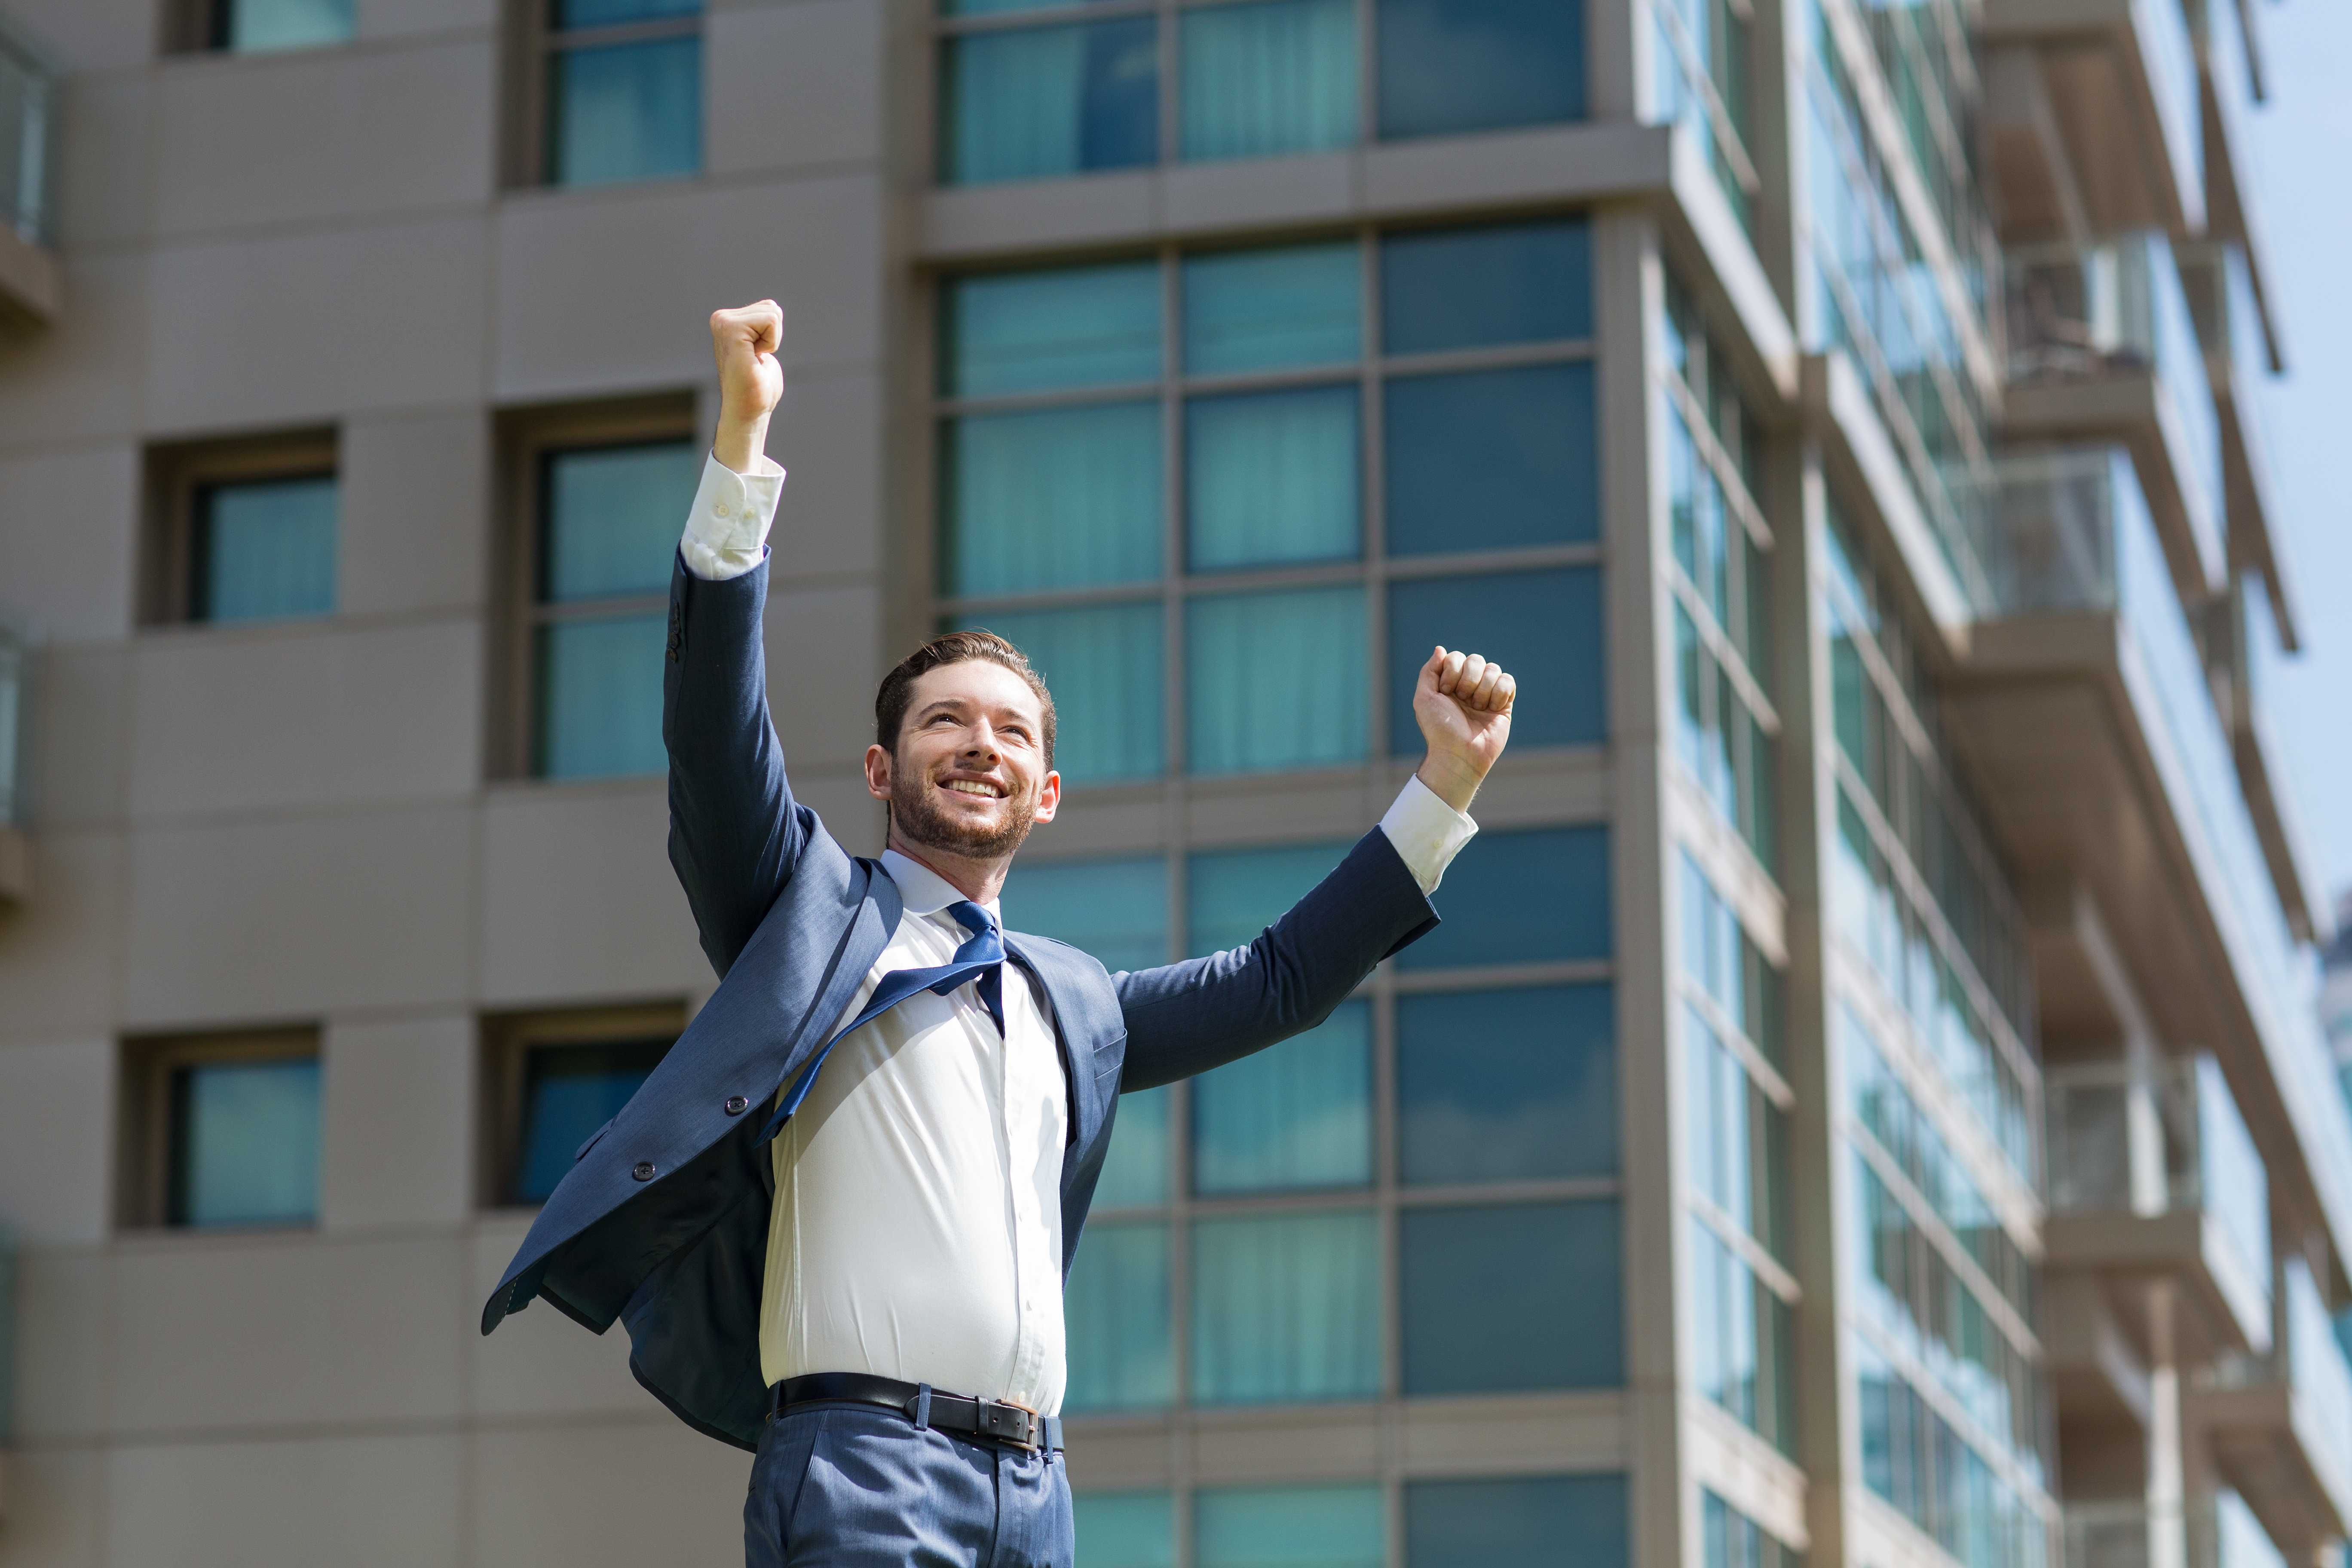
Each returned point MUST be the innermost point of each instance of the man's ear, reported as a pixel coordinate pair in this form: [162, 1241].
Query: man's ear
[877, 772]
[1049, 798]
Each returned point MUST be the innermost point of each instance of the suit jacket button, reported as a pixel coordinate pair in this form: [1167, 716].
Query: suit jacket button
[735, 1104]
[644, 1170]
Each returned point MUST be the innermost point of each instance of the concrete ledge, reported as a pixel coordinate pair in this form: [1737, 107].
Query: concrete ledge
[32, 283]
[16, 866]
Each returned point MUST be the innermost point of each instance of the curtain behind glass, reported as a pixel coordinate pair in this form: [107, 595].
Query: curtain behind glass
[1103, 665]
[1298, 1114]
[1266, 310]
[252, 27]
[1285, 1308]
[1115, 910]
[1266, 79]
[613, 518]
[600, 698]
[1276, 680]
[266, 549]
[1122, 1352]
[1271, 477]
[627, 111]
[1231, 896]
[246, 1143]
[1127, 1530]
[1038, 331]
[1050, 101]
[1057, 498]
[1288, 1527]
[1135, 1170]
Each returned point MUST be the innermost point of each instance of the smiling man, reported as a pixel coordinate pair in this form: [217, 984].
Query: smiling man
[838, 1219]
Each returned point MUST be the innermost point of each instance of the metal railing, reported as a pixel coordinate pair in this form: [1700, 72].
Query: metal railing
[2307, 1360]
[2221, 1532]
[29, 117]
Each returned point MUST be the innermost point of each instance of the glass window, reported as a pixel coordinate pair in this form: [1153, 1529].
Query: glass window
[1052, 498]
[1272, 310]
[1509, 1297]
[1267, 78]
[244, 1139]
[1121, 1348]
[1497, 1086]
[612, 519]
[1135, 1169]
[1575, 1521]
[1298, 1114]
[1730, 1539]
[1232, 895]
[1480, 287]
[253, 26]
[1276, 680]
[1115, 910]
[1127, 1530]
[630, 111]
[1738, 1137]
[1543, 626]
[1499, 880]
[1286, 1309]
[1039, 101]
[1290, 1527]
[1271, 477]
[1102, 665]
[265, 551]
[1038, 331]
[570, 1091]
[1453, 65]
[1742, 1339]
[600, 696]
[1492, 459]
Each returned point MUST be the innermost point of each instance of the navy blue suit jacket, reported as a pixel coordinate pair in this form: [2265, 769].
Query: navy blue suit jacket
[662, 1222]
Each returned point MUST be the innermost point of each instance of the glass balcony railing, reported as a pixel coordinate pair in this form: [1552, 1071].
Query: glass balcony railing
[2072, 532]
[2307, 1361]
[2192, 1154]
[2169, 45]
[28, 106]
[2114, 308]
[2229, 323]
[2221, 1532]
[15, 674]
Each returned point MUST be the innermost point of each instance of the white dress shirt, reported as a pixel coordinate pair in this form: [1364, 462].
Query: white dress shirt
[916, 1231]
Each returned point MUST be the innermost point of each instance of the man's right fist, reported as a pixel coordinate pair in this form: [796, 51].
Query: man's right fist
[745, 342]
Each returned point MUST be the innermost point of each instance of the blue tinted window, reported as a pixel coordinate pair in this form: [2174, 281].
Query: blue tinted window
[625, 111]
[1135, 1169]
[1472, 288]
[1233, 895]
[600, 698]
[1269, 78]
[245, 1143]
[1263, 310]
[1276, 680]
[1296, 1114]
[1543, 626]
[1495, 1086]
[1512, 1297]
[1451, 65]
[1285, 1308]
[252, 27]
[1271, 478]
[607, 13]
[1290, 1527]
[1103, 664]
[1490, 459]
[1050, 101]
[1534, 1521]
[1126, 1530]
[1052, 498]
[1521, 898]
[265, 551]
[1034, 331]
[612, 519]
[569, 1091]
[1115, 910]
[1121, 1349]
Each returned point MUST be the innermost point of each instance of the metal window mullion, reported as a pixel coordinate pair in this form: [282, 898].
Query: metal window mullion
[1372, 428]
[1175, 687]
[1719, 644]
[1170, 78]
[1940, 1234]
[1734, 1238]
[1717, 114]
[1505, 356]
[614, 34]
[1712, 452]
[1051, 397]
[1995, 1448]
[1526, 1191]
[1734, 1039]
[1474, 562]
[1050, 15]
[1499, 977]
[1270, 380]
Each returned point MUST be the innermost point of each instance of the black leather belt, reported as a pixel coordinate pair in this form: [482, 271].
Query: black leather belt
[924, 1405]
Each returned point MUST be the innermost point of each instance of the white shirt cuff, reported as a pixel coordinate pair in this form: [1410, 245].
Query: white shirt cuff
[727, 530]
[1427, 832]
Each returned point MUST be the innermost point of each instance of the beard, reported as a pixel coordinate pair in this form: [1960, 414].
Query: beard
[914, 813]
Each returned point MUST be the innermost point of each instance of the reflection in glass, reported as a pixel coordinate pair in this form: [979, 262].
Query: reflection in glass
[1126, 1530]
[1288, 1527]
[1050, 101]
[1497, 1086]
[1478, 287]
[1496, 883]
[1270, 78]
[1266, 310]
[1233, 895]
[612, 519]
[1545, 627]
[245, 1143]
[569, 1091]
[1492, 459]
[1135, 1170]
[1524, 1520]
[1036, 331]
[255, 27]
[1511, 1296]
[600, 698]
[1451, 66]
[1298, 1114]
[1115, 910]
[625, 111]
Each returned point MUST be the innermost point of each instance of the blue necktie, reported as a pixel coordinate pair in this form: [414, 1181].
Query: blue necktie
[981, 960]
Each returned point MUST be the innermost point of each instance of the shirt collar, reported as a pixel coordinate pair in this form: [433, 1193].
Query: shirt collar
[923, 891]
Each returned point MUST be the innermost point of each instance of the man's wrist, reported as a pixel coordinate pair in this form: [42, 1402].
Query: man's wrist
[1450, 778]
[739, 442]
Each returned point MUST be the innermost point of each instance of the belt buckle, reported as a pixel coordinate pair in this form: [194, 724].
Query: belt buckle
[1025, 1433]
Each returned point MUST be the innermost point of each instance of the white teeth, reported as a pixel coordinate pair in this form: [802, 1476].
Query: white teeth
[972, 786]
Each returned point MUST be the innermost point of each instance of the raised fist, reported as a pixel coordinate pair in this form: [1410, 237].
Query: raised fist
[1462, 703]
[745, 342]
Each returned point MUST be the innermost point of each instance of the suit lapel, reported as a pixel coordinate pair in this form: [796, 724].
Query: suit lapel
[1085, 1105]
[870, 930]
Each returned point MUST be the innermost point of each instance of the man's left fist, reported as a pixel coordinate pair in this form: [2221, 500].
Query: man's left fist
[1463, 704]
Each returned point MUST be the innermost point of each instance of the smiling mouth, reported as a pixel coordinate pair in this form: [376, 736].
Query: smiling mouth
[980, 788]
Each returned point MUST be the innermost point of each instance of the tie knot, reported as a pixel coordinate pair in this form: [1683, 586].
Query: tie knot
[973, 918]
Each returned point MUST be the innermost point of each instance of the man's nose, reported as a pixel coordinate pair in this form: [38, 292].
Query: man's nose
[980, 742]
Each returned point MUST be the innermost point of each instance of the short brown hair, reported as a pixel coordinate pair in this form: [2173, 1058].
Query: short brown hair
[951, 647]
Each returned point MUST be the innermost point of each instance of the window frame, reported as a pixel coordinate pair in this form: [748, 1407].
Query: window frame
[146, 1151]
[533, 43]
[179, 473]
[507, 1040]
[528, 437]
[201, 27]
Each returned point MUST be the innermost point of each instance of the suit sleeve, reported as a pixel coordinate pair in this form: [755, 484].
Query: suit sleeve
[735, 832]
[1185, 1018]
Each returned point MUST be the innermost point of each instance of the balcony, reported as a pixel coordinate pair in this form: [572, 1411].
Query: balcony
[2098, 125]
[16, 854]
[2224, 32]
[2158, 1178]
[30, 287]
[2217, 1532]
[2240, 363]
[2281, 1424]
[2245, 644]
[2084, 702]
[2103, 347]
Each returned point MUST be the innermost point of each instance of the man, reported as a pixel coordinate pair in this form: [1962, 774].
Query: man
[857, 1272]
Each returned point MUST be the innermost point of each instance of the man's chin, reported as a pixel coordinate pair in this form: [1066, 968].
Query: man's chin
[925, 823]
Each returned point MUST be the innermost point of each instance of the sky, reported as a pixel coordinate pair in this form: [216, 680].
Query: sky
[2303, 137]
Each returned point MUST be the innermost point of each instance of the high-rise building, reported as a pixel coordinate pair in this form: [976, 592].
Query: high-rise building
[1865, 1104]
